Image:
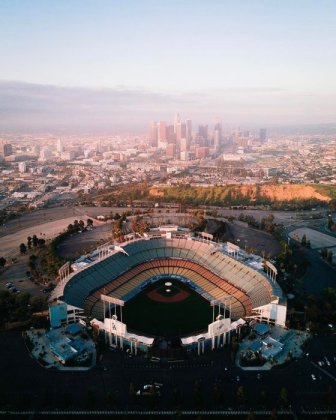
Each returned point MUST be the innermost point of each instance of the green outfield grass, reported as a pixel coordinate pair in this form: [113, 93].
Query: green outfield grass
[143, 315]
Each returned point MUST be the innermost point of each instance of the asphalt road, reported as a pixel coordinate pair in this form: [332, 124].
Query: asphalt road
[319, 274]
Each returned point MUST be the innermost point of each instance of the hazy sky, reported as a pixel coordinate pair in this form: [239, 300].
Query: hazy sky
[240, 61]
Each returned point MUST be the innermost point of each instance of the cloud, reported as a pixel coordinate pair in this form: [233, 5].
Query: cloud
[26, 106]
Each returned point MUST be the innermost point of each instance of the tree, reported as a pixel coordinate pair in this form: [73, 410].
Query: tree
[89, 222]
[37, 303]
[240, 395]
[274, 415]
[324, 253]
[198, 397]
[330, 223]
[332, 204]
[6, 303]
[218, 395]
[284, 397]
[304, 240]
[21, 310]
[2, 262]
[29, 240]
[90, 398]
[131, 389]
[70, 228]
[35, 241]
[81, 224]
[251, 416]
[23, 248]
[330, 256]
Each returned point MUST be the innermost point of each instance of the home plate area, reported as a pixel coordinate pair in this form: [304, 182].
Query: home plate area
[168, 293]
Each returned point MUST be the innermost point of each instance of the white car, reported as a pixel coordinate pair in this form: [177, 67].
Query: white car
[150, 390]
[313, 377]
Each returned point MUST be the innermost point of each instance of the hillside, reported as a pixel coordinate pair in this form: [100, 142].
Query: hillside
[270, 192]
[275, 195]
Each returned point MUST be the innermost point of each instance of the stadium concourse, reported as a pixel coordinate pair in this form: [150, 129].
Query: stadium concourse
[233, 284]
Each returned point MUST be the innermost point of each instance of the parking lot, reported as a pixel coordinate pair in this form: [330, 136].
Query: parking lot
[207, 382]
[317, 239]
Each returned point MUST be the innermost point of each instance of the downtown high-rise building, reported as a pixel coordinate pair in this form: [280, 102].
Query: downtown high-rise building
[263, 135]
[203, 134]
[171, 150]
[5, 148]
[59, 146]
[217, 138]
[184, 145]
[171, 137]
[153, 134]
[177, 121]
[180, 131]
[162, 131]
[188, 130]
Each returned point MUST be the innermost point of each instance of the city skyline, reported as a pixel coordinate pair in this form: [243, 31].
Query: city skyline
[115, 66]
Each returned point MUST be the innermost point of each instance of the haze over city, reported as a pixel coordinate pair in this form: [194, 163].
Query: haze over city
[115, 66]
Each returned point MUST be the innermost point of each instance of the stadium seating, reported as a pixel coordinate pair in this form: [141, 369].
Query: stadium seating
[213, 272]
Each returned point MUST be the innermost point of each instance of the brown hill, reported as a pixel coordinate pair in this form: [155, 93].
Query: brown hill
[287, 192]
[273, 192]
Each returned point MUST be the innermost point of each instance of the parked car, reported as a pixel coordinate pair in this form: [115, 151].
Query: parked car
[150, 390]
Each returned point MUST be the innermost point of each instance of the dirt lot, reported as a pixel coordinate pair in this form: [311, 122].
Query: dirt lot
[40, 217]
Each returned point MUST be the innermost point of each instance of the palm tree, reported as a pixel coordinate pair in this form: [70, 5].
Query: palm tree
[240, 395]
[2, 262]
[23, 248]
[284, 397]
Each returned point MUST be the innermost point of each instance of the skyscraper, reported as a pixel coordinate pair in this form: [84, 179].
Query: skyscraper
[171, 137]
[5, 148]
[153, 134]
[171, 150]
[218, 136]
[262, 135]
[59, 146]
[188, 130]
[162, 131]
[203, 133]
[176, 122]
[184, 145]
[180, 131]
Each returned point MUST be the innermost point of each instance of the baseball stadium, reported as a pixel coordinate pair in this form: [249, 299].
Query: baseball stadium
[172, 287]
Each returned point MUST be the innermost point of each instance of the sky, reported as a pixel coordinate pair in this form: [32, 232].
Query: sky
[120, 64]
